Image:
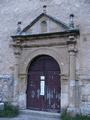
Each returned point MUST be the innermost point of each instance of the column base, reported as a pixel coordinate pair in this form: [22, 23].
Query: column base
[73, 111]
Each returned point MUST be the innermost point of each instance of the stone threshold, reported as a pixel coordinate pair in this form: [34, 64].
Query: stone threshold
[41, 113]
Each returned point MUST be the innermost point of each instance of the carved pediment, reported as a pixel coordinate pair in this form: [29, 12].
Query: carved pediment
[44, 24]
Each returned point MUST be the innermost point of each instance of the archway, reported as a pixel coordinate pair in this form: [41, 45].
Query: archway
[43, 84]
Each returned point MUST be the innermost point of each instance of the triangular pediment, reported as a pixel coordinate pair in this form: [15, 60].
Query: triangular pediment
[44, 24]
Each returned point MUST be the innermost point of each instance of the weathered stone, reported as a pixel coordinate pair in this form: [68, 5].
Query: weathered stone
[26, 11]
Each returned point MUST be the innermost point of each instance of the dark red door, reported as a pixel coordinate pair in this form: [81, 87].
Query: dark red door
[43, 85]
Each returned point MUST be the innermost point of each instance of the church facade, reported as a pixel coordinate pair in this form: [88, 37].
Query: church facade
[51, 71]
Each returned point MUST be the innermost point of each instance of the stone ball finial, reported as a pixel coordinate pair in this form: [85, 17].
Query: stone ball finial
[71, 17]
[44, 8]
[19, 23]
[19, 27]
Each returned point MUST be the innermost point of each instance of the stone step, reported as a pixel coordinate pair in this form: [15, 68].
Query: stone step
[41, 115]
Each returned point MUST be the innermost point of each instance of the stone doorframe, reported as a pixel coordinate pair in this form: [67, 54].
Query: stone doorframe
[24, 68]
[72, 75]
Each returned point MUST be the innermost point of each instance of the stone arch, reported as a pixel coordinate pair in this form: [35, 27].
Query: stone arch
[42, 51]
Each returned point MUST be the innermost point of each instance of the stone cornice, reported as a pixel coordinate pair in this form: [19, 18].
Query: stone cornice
[38, 45]
[23, 38]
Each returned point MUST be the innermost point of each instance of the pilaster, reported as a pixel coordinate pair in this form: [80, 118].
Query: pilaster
[17, 52]
[73, 106]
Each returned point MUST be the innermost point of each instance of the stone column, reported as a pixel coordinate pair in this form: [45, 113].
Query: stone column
[72, 74]
[17, 53]
[72, 79]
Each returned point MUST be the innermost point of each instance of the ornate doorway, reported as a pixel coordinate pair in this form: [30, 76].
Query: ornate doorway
[43, 84]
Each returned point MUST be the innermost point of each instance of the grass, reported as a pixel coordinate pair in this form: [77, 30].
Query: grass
[9, 111]
[65, 116]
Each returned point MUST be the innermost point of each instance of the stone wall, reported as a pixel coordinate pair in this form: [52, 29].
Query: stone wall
[11, 12]
[84, 92]
[6, 88]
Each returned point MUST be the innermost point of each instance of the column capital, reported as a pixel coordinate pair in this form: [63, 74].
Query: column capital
[71, 37]
[72, 48]
[72, 51]
[71, 40]
[17, 52]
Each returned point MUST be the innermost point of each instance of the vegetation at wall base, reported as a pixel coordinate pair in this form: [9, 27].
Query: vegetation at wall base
[9, 111]
[66, 116]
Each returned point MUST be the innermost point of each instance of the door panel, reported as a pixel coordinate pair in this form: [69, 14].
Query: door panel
[44, 70]
[53, 91]
[34, 99]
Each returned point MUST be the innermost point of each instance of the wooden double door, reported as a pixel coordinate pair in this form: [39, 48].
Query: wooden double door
[43, 85]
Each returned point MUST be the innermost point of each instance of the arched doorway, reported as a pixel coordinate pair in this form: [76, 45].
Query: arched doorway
[43, 84]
